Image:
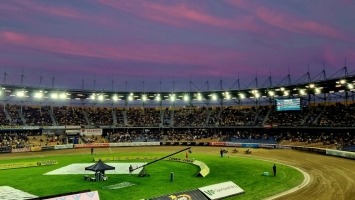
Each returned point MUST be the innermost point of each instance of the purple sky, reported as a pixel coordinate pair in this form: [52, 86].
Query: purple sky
[144, 42]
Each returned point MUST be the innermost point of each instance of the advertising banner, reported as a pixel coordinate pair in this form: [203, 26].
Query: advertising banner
[44, 148]
[344, 154]
[217, 143]
[26, 149]
[89, 145]
[73, 127]
[36, 149]
[233, 144]
[187, 195]
[221, 190]
[5, 149]
[92, 195]
[72, 132]
[131, 144]
[94, 131]
[251, 145]
[27, 164]
[64, 146]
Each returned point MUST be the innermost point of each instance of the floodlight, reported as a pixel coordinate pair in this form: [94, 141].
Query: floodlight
[282, 89]
[342, 81]
[114, 98]
[257, 95]
[350, 86]
[38, 95]
[214, 97]
[302, 92]
[286, 93]
[199, 97]
[317, 90]
[311, 85]
[172, 97]
[158, 97]
[241, 95]
[20, 93]
[271, 93]
[63, 95]
[186, 97]
[93, 97]
[100, 97]
[130, 98]
[144, 97]
[54, 95]
[228, 96]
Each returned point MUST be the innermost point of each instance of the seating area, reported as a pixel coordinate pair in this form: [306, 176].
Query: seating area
[318, 125]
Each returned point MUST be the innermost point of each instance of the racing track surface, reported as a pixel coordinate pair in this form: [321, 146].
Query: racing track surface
[330, 177]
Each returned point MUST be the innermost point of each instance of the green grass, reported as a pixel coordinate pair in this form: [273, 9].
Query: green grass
[245, 172]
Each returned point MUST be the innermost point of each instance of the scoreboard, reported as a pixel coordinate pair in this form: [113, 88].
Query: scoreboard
[293, 104]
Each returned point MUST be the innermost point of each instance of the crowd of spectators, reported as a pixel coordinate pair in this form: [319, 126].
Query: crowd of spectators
[99, 116]
[192, 123]
[16, 139]
[190, 116]
[37, 116]
[66, 115]
[337, 115]
[140, 117]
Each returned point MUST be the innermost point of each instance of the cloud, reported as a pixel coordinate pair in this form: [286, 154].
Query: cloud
[289, 22]
[142, 52]
[182, 15]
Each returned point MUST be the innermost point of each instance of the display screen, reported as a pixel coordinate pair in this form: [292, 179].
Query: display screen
[288, 104]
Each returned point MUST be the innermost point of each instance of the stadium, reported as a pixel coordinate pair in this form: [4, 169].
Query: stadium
[295, 125]
[177, 100]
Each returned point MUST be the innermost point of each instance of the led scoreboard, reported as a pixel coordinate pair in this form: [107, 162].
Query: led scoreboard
[293, 104]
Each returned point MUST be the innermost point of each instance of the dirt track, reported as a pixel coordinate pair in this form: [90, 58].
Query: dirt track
[330, 177]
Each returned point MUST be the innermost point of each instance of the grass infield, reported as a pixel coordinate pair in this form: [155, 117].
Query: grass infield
[245, 172]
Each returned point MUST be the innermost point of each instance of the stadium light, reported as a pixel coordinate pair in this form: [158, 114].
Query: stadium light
[227, 95]
[286, 93]
[311, 85]
[317, 90]
[130, 98]
[54, 95]
[38, 95]
[144, 97]
[20, 93]
[172, 97]
[93, 97]
[214, 97]
[350, 86]
[115, 97]
[342, 81]
[242, 96]
[158, 97]
[271, 93]
[199, 97]
[186, 97]
[302, 92]
[100, 97]
[62, 95]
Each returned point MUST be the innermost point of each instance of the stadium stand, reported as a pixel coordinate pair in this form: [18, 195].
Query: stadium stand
[322, 125]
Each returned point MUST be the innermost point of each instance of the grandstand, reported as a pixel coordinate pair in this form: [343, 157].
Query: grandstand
[324, 115]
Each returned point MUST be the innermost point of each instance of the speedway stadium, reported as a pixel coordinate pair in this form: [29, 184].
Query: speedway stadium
[306, 127]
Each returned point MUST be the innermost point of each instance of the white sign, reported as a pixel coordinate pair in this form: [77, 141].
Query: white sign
[221, 190]
[89, 132]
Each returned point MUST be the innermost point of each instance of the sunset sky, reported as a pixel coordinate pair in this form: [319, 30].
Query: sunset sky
[143, 43]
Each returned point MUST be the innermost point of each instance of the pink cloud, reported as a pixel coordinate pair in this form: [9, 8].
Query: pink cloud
[177, 54]
[289, 22]
[181, 15]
